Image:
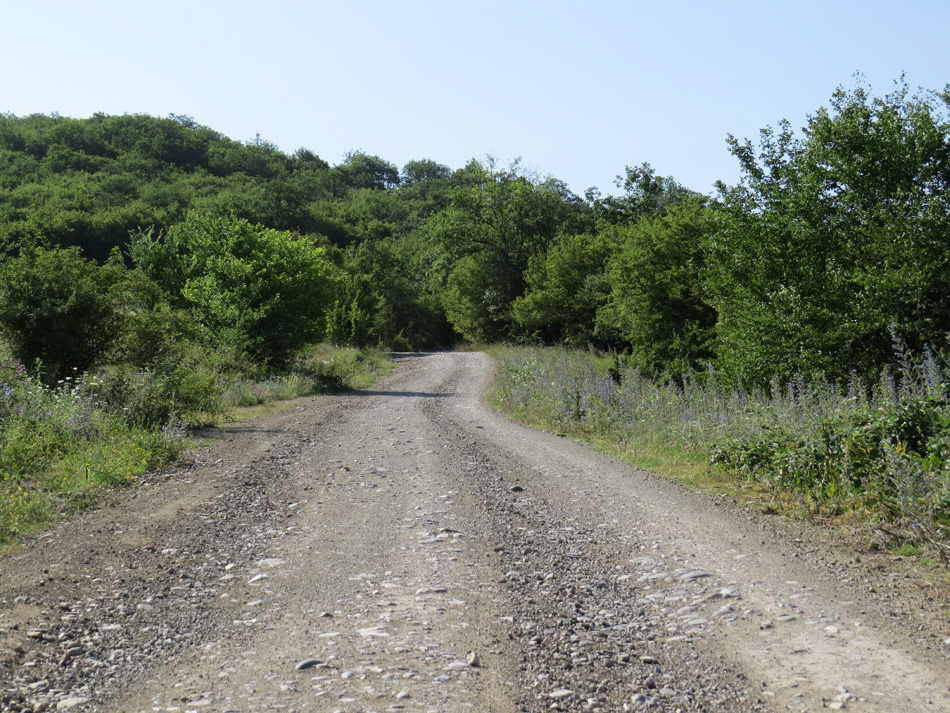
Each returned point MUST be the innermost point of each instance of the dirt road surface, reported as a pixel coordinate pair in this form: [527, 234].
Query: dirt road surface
[407, 549]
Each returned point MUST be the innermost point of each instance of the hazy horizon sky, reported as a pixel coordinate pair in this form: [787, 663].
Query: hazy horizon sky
[576, 90]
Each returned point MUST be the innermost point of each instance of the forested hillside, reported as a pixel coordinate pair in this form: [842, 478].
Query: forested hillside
[835, 237]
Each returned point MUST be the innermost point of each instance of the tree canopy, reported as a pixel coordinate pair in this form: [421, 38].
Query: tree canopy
[834, 240]
[834, 237]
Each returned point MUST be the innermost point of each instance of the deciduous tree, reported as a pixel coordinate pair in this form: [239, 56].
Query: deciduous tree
[832, 237]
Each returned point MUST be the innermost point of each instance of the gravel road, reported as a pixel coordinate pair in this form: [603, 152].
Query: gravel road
[407, 549]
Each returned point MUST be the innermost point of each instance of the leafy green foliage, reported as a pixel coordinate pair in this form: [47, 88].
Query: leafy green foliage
[883, 451]
[334, 369]
[645, 194]
[350, 318]
[833, 237]
[407, 315]
[154, 333]
[792, 284]
[360, 170]
[656, 304]
[59, 309]
[424, 188]
[565, 289]
[187, 389]
[848, 456]
[257, 290]
[59, 446]
[496, 222]
[88, 182]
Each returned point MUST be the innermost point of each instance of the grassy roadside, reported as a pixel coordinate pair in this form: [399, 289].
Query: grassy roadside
[63, 446]
[325, 369]
[682, 463]
[875, 458]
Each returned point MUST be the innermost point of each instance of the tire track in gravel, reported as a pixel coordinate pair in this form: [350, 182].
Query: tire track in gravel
[352, 553]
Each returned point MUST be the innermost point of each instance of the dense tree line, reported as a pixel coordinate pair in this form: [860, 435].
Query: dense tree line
[128, 233]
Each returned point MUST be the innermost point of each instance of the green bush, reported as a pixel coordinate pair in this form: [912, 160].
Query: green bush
[155, 333]
[59, 310]
[190, 391]
[249, 288]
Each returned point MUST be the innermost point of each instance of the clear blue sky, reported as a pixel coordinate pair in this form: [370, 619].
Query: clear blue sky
[578, 90]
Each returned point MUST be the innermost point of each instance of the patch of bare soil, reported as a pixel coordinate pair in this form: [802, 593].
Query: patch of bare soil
[407, 549]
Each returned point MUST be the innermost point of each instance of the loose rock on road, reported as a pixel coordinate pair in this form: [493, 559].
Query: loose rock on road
[406, 549]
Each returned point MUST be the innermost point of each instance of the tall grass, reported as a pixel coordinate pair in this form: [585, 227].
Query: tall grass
[323, 369]
[880, 449]
[61, 444]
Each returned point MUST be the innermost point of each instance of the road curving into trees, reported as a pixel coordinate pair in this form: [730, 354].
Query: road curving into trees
[406, 548]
